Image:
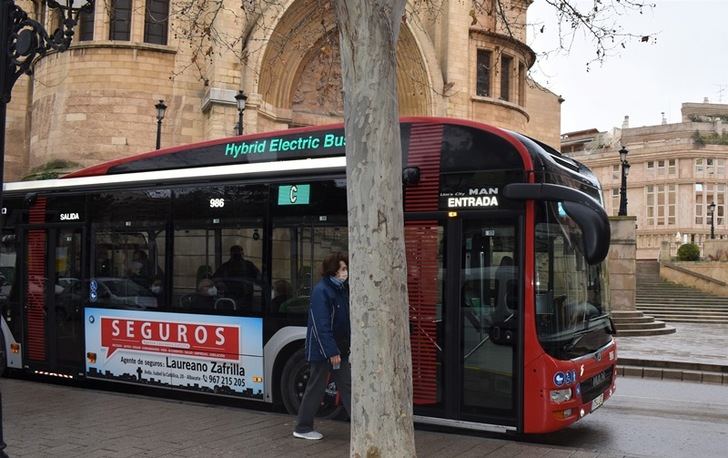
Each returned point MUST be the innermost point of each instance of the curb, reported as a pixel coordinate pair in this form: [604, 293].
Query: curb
[673, 370]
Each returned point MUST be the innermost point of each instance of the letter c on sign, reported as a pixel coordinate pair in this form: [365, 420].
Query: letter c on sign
[294, 192]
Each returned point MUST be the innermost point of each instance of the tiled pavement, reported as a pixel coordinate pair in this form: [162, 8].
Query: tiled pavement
[45, 420]
[51, 420]
[695, 352]
[702, 343]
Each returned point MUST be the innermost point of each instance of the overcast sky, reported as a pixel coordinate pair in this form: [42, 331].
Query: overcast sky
[687, 62]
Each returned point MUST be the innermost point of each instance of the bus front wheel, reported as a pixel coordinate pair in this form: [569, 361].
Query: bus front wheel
[293, 384]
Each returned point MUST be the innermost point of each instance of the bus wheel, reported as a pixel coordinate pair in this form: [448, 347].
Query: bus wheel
[293, 385]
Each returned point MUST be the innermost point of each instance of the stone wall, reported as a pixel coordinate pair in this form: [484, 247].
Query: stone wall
[707, 276]
[621, 262]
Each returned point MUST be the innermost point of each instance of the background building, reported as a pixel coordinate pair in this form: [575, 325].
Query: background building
[96, 101]
[677, 170]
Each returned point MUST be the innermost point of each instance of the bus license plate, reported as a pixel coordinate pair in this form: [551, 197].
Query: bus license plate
[597, 402]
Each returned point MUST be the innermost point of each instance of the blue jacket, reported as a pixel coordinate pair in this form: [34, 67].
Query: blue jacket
[329, 329]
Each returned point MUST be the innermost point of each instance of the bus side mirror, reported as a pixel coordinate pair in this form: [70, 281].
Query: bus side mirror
[582, 208]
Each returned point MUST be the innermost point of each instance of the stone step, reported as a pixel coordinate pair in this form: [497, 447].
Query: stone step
[678, 295]
[668, 292]
[645, 332]
[688, 308]
[693, 320]
[655, 312]
[635, 326]
[641, 319]
[619, 314]
[680, 305]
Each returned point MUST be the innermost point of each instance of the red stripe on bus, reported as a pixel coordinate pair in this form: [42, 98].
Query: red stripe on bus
[421, 245]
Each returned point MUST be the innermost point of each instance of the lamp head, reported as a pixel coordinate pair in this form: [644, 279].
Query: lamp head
[161, 108]
[626, 168]
[623, 154]
[72, 5]
[240, 99]
[712, 207]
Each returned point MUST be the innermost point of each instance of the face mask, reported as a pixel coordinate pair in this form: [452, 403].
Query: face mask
[59, 289]
[156, 289]
[212, 291]
[136, 265]
[342, 276]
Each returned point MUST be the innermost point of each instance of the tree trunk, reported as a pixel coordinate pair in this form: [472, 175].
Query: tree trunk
[381, 363]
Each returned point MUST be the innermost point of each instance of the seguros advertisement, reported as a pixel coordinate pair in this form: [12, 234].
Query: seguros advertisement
[213, 354]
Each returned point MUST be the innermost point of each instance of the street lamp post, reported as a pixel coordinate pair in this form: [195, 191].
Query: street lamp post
[240, 99]
[22, 41]
[711, 209]
[161, 108]
[623, 188]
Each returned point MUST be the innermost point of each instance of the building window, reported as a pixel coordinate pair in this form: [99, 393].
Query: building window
[650, 205]
[704, 196]
[671, 167]
[615, 202]
[661, 204]
[661, 168]
[616, 174]
[483, 67]
[505, 69]
[86, 25]
[521, 84]
[699, 168]
[671, 203]
[698, 209]
[120, 27]
[651, 168]
[155, 22]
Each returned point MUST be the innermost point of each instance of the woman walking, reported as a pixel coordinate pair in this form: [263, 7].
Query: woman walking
[327, 342]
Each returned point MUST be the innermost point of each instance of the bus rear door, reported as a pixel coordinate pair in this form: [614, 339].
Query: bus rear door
[54, 297]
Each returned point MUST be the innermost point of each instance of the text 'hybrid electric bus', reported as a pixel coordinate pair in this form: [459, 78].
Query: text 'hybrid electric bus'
[190, 268]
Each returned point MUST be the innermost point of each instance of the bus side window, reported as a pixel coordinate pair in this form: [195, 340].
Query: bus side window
[297, 255]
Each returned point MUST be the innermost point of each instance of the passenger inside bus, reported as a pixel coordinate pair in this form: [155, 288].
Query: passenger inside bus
[238, 277]
[282, 292]
[205, 296]
[142, 271]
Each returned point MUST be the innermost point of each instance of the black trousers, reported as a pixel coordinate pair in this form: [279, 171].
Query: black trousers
[315, 388]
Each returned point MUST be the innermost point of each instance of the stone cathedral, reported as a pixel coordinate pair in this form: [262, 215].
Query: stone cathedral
[95, 102]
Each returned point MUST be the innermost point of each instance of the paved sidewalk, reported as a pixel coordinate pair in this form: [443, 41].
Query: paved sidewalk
[691, 349]
[51, 420]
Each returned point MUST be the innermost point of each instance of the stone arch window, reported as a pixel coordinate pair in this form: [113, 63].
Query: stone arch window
[120, 20]
[86, 25]
[506, 70]
[156, 21]
[484, 70]
[521, 84]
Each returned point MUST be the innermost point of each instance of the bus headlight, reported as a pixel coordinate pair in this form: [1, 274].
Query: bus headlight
[559, 396]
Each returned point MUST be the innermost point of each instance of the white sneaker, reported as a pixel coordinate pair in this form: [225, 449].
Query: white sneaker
[311, 435]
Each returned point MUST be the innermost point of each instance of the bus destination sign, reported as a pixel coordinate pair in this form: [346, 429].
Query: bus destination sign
[481, 197]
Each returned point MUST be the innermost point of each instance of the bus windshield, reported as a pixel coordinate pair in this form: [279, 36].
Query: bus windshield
[572, 310]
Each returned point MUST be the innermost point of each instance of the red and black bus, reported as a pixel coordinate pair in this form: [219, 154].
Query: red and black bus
[190, 268]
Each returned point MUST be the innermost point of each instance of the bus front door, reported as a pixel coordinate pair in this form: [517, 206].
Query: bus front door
[488, 319]
[54, 298]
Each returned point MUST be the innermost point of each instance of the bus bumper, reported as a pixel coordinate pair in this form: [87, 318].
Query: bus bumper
[569, 390]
